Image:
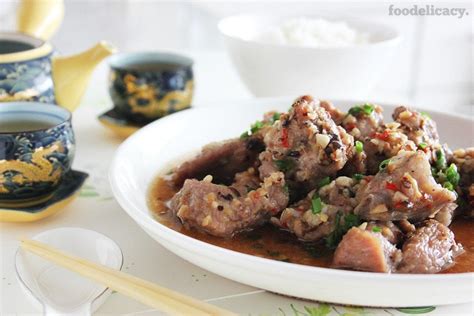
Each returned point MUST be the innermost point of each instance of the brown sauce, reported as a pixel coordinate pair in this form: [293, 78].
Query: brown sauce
[272, 243]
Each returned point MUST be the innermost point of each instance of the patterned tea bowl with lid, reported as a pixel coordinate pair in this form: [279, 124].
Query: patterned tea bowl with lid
[145, 86]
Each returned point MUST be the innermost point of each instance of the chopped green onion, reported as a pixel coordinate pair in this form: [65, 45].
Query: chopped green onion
[276, 117]
[384, 164]
[316, 204]
[351, 220]
[440, 160]
[452, 174]
[358, 176]
[324, 182]
[368, 108]
[359, 146]
[256, 127]
[448, 185]
[425, 114]
[333, 239]
[376, 229]
[422, 145]
[441, 177]
[284, 164]
[244, 135]
[354, 111]
[462, 203]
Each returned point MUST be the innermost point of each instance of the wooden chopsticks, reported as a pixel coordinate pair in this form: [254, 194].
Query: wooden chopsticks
[143, 291]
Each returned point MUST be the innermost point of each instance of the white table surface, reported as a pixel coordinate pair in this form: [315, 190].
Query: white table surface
[96, 209]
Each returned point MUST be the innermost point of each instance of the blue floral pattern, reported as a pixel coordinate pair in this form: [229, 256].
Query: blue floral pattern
[27, 81]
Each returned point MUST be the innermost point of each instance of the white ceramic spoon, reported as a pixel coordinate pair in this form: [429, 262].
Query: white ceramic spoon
[60, 291]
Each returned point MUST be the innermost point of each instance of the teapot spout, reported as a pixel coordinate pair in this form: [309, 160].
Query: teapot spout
[71, 74]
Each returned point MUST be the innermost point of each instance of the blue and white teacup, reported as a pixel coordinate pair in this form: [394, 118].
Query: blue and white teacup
[36, 151]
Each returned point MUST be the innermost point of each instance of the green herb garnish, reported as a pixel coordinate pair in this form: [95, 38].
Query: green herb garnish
[325, 181]
[340, 228]
[258, 125]
[255, 127]
[376, 229]
[333, 239]
[384, 164]
[351, 220]
[244, 135]
[275, 117]
[358, 176]
[452, 174]
[316, 204]
[440, 177]
[354, 111]
[422, 145]
[366, 109]
[359, 146]
[425, 114]
[284, 165]
[440, 160]
[448, 185]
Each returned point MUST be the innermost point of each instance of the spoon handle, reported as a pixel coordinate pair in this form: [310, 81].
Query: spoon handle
[141, 290]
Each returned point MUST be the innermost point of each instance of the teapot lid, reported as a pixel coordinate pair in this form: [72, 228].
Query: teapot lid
[15, 47]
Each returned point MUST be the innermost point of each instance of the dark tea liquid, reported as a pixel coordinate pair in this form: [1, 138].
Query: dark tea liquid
[15, 126]
[10, 47]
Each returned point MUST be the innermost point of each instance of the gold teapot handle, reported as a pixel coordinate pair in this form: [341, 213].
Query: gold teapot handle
[40, 18]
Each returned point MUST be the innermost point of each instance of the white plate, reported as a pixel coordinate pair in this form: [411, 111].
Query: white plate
[154, 147]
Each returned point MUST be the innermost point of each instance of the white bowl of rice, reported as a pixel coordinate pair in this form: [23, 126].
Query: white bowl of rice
[329, 57]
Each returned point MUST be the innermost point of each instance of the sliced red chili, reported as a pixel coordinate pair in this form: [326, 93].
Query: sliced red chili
[350, 127]
[391, 186]
[383, 136]
[399, 204]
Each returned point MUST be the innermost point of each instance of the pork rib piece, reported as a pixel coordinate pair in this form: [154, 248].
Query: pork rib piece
[305, 144]
[421, 130]
[365, 250]
[418, 127]
[405, 189]
[308, 225]
[430, 249]
[386, 143]
[222, 211]
[222, 160]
